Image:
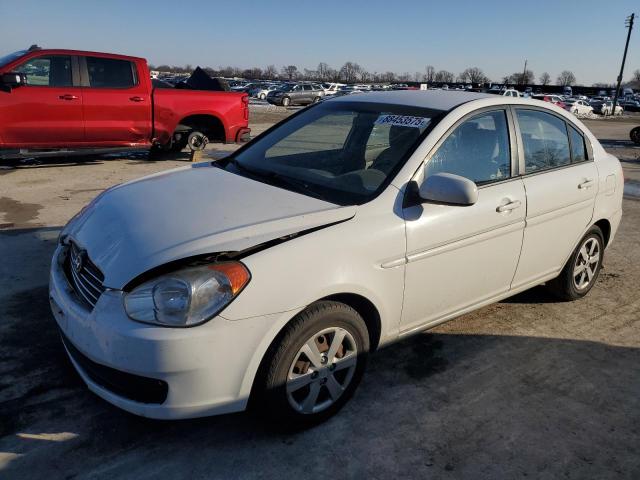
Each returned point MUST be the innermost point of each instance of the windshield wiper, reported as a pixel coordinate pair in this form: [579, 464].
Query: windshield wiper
[278, 179]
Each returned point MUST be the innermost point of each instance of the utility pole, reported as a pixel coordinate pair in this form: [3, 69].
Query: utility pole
[524, 73]
[628, 24]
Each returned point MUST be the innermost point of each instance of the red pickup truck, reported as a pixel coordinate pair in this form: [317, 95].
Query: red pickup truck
[73, 100]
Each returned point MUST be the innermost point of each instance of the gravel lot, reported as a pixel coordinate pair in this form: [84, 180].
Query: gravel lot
[529, 387]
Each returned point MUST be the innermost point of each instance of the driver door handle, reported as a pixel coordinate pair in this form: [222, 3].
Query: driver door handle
[137, 99]
[586, 183]
[68, 96]
[509, 206]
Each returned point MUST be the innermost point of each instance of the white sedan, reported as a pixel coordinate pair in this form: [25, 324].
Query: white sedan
[265, 279]
[579, 108]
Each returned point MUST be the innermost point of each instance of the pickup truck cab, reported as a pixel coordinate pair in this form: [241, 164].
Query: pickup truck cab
[68, 99]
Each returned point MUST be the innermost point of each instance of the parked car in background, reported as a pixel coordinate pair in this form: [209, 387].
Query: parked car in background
[265, 279]
[511, 93]
[332, 88]
[555, 99]
[70, 99]
[607, 108]
[295, 94]
[630, 105]
[262, 91]
[578, 107]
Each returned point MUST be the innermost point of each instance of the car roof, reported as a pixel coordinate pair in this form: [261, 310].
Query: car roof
[433, 99]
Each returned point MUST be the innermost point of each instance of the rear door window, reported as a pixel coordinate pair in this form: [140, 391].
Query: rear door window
[110, 73]
[50, 71]
[545, 140]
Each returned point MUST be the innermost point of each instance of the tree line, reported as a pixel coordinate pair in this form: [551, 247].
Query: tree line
[352, 72]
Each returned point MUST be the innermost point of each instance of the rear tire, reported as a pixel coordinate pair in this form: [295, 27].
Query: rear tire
[635, 135]
[313, 369]
[580, 273]
[286, 101]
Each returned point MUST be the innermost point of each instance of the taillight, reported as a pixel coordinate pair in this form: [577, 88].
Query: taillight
[245, 103]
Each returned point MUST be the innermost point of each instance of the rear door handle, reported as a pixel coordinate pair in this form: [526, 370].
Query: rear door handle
[68, 96]
[509, 206]
[136, 99]
[587, 183]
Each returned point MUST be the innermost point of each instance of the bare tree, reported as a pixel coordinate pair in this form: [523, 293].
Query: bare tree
[566, 78]
[270, 72]
[387, 77]
[635, 76]
[349, 72]
[290, 71]
[323, 71]
[520, 78]
[364, 75]
[444, 76]
[404, 77]
[429, 73]
[545, 79]
[473, 75]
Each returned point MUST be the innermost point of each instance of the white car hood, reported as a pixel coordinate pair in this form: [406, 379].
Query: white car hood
[146, 223]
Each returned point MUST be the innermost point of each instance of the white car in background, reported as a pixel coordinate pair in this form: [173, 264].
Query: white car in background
[332, 88]
[263, 92]
[511, 93]
[265, 279]
[579, 108]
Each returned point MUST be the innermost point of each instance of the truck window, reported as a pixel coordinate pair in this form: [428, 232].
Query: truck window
[110, 73]
[51, 71]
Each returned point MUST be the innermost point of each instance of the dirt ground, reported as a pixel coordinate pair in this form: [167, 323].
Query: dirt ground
[529, 387]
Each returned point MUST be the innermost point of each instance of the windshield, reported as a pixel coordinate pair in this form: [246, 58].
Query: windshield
[11, 57]
[341, 152]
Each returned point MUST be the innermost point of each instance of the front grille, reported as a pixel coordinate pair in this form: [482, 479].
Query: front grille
[85, 278]
[134, 387]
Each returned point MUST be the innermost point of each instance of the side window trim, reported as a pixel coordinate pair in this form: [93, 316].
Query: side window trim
[511, 125]
[521, 159]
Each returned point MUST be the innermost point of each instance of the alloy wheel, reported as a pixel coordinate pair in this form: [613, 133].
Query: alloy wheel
[587, 263]
[321, 370]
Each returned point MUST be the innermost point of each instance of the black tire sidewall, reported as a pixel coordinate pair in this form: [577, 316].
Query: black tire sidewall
[319, 317]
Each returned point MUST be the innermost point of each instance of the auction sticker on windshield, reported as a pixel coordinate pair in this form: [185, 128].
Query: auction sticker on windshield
[403, 121]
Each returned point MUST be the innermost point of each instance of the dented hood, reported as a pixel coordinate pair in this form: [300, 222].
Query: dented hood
[146, 223]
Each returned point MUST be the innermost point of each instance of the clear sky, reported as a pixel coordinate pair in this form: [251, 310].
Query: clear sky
[586, 37]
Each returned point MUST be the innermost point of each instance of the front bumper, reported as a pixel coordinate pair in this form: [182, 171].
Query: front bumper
[207, 369]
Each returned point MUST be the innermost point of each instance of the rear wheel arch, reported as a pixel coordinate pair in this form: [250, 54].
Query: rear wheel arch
[210, 125]
[605, 227]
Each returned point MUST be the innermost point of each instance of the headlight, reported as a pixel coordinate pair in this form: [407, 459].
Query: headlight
[187, 297]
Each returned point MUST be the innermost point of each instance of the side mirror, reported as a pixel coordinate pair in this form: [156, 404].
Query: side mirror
[449, 189]
[12, 79]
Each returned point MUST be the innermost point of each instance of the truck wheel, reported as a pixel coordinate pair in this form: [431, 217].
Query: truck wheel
[635, 135]
[286, 101]
[197, 141]
[314, 368]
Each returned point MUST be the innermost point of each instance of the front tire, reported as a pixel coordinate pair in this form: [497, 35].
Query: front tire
[286, 101]
[313, 369]
[635, 135]
[580, 273]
